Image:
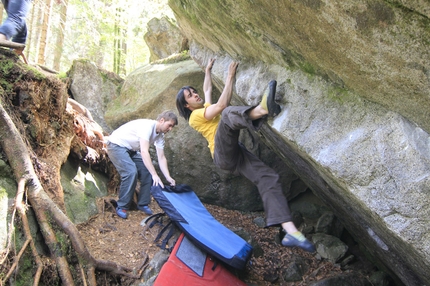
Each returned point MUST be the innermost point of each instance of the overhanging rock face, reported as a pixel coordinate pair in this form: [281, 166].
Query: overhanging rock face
[369, 164]
[349, 96]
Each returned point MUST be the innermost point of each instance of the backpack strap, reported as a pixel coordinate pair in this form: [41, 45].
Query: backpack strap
[167, 227]
[171, 227]
[152, 220]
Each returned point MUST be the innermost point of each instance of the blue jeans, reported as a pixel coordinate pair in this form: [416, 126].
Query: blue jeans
[14, 27]
[130, 167]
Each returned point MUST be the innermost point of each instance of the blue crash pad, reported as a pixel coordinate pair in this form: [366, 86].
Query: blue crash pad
[185, 209]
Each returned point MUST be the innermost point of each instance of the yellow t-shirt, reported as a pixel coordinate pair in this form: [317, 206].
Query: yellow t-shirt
[205, 127]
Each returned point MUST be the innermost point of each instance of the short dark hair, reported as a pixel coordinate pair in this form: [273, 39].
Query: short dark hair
[168, 115]
[181, 102]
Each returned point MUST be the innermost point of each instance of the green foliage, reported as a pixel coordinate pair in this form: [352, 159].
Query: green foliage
[62, 75]
[109, 33]
[6, 67]
[3, 193]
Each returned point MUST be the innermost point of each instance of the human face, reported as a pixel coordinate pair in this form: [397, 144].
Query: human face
[165, 126]
[194, 101]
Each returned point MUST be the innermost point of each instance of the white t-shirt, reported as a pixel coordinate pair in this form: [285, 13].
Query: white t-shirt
[129, 134]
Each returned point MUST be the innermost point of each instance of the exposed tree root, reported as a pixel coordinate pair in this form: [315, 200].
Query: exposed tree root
[22, 210]
[46, 210]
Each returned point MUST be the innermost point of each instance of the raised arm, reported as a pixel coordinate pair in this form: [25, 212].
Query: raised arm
[224, 100]
[207, 84]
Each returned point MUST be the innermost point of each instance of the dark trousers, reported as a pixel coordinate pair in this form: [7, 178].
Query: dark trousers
[231, 155]
[14, 27]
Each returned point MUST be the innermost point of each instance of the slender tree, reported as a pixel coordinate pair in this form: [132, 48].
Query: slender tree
[44, 32]
[118, 41]
[35, 24]
[60, 34]
[1, 12]
[30, 29]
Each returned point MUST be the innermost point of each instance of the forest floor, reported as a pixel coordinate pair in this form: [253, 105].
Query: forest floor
[128, 243]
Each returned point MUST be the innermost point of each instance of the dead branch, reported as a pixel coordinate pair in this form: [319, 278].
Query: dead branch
[82, 274]
[16, 260]
[22, 210]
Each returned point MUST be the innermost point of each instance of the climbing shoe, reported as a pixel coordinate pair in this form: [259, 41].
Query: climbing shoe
[121, 212]
[302, 242]
[268, 100]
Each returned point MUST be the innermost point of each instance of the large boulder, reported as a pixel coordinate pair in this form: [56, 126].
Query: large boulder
[354, 86]
[94, 88]
[164, 38]
[150, 90]
[379, 49]
[366, 162]
[8, 189]
[369, 164]
[82, 187]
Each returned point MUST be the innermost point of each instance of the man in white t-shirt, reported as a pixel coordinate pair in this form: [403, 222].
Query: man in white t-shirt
[128, 149]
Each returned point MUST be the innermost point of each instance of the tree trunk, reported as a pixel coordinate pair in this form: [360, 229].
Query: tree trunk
[60, 35]
[30, 33]
[1, 12]
[44, 34]
[122, 64]
[117, 41]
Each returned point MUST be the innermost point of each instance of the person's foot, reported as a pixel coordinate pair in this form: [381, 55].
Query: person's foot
[121, 212]
[298, 240]
[146, 210]
[268, 101]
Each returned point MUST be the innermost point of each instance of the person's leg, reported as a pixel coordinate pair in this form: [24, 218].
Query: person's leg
[145, 178]
[231, 155]
[127, 170]
[14, 26]
[269, 186]
[275, 204]
[3, 37]
[233, 119]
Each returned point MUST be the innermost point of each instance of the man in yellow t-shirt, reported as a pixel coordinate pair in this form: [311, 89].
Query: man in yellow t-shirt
[220, 124]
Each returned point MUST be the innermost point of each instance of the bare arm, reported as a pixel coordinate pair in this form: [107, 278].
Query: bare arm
[224, 100]
[144, 151]
[162, 161]
[207, 84]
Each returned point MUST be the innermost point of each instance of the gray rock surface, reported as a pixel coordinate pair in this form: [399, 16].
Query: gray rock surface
[368, 163]
[8, 189]
[164, 38]
[329, 247]
[353, 81]
[93, 88]
[82, 186]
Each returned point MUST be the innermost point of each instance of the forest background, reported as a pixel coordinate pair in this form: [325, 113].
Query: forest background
[109, 33]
